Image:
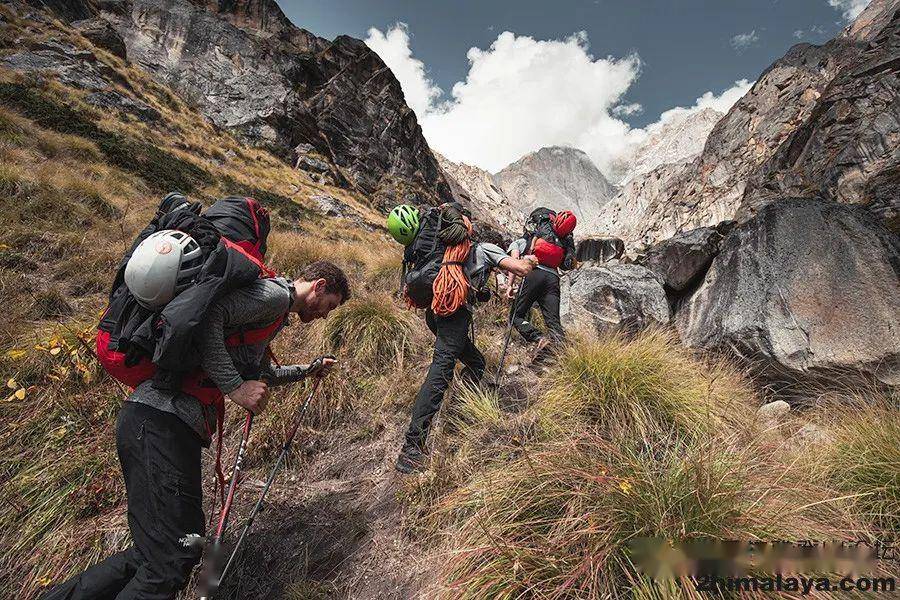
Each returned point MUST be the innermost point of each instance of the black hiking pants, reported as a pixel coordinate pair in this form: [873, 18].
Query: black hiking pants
[542, 287]
[452, 342]
[160, 457]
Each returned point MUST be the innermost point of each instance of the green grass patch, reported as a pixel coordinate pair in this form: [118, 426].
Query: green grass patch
[160, 169]
[641, 385]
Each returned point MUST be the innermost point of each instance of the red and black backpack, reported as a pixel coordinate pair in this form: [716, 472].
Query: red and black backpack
[127, 346]
[542, 239]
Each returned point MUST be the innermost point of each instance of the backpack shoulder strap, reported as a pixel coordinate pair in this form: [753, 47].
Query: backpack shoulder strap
[264, 271]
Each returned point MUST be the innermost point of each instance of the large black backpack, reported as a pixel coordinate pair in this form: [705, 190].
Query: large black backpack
[423, 258]
[132, 334]
[540, 225]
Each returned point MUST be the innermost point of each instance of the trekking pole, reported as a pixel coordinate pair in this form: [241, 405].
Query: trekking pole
[213, 583]
[509, 328]
[284, 450]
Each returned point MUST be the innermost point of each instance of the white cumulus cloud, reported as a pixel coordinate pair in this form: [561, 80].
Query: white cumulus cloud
[522, 94]
[850, 9]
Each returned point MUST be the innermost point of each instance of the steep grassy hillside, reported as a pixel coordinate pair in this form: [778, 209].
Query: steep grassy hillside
[77, 183]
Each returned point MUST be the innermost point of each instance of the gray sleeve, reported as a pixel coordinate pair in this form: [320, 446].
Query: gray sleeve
[259, 303]
[492, 253]
[519, 245]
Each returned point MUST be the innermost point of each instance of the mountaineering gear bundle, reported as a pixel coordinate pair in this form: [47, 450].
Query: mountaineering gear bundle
[436, 278]
[551, 247]
[136, 343]
[161, 266]
[403, 223]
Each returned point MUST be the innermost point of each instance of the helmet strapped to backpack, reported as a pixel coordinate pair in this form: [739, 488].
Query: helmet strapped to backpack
[162, 265]
[564, 223]
[154, 309]
[403, 223]
[542, 238]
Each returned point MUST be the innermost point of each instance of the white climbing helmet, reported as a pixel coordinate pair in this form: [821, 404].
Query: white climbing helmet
[162, 265]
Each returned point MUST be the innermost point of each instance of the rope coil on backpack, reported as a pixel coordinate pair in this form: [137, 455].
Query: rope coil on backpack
[451, 288]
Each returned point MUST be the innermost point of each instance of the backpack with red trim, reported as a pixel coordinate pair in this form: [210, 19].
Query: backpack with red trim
[541, 239]
[135, 344]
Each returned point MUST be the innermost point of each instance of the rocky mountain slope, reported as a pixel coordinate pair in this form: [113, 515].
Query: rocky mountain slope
[559, 178]
[572, 181]
[821, 121]
[477, 187]
[331, 105]
[677, 140]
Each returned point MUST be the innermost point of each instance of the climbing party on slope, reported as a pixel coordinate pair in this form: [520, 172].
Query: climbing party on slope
[191, 315]
[447, 272]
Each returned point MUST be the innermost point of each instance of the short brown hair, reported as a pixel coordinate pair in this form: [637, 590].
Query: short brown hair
[335, 279]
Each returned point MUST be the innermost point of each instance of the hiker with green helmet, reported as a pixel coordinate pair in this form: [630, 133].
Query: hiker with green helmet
[448, 274]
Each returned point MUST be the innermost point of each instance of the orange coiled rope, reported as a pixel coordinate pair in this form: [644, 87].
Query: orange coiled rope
[451, 288]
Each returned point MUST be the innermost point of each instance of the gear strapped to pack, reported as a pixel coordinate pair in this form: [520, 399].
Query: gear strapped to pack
[436, 278]
[549, 237]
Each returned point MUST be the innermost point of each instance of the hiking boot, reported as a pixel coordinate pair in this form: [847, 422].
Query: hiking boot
[411, 460]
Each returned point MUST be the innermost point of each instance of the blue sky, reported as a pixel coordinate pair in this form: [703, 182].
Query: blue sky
[675, 52]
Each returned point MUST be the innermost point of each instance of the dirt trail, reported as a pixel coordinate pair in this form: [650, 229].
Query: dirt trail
[331, 529]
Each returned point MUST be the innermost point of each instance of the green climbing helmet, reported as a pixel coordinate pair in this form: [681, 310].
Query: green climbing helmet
[403, 223]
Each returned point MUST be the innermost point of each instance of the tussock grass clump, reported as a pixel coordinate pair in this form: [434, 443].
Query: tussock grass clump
[863, 461]
[642, 384]
[374, 331]
[487, 433]
[557, 523]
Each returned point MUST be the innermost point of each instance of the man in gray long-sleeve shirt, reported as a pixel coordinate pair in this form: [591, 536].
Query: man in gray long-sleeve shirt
[160, 434]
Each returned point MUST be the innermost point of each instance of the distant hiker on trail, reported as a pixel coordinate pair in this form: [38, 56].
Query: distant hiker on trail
[548, 236]
[171, 416]
[447, 275]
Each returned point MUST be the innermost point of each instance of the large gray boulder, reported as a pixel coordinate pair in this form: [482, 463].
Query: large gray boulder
[805, 288]
[624, 297]
[682, 259]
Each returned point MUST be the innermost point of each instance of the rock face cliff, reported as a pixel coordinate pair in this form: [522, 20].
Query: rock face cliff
[559, 178]
[245, 66]
[805, 287]
[677, 140]
[820, 122]
[477, 188]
